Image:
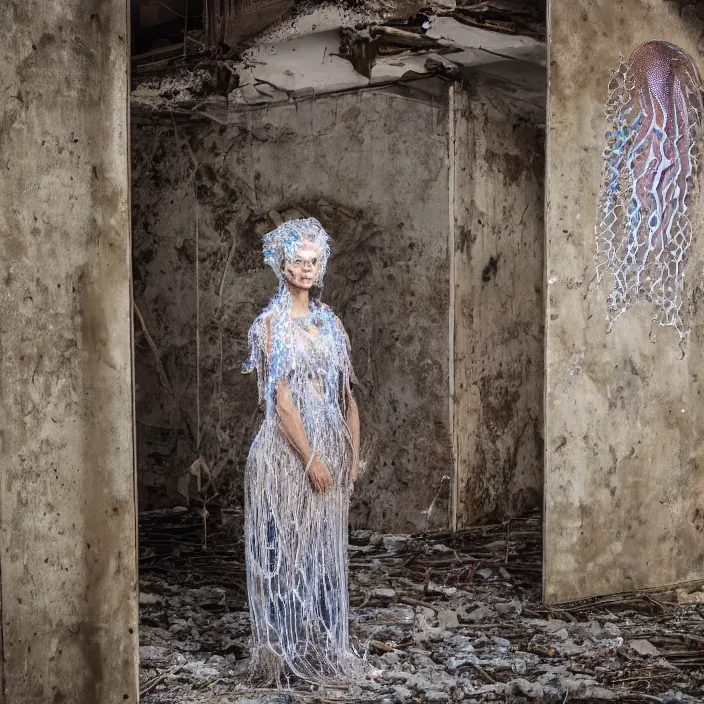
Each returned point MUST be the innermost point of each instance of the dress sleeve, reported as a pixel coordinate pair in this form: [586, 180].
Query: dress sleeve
[344, 353]
[271, 354]
[258, 339]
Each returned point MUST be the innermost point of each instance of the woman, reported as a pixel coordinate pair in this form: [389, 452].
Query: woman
[301, 469]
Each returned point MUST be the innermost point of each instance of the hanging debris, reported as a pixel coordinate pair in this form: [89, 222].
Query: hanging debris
[506, 16]
[227, 23]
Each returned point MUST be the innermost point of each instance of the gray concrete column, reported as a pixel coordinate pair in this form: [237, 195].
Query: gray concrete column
[624, 417]
[67, 507]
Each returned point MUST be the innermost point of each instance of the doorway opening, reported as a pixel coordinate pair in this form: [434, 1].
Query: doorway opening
[416, 136]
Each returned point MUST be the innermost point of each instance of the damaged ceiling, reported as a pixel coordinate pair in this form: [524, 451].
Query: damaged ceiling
[248, 53]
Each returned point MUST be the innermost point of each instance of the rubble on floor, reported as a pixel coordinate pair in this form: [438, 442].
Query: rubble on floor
[442, 617]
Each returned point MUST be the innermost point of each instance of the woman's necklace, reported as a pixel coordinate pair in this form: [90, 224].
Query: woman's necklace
[309, 323]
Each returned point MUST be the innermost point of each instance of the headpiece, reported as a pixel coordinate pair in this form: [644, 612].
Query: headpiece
[282, 244]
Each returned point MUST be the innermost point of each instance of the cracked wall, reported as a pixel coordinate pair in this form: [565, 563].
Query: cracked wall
[373, 167]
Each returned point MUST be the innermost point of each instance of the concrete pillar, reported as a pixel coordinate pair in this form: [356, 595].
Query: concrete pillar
[497, 290]
[67, 509]
[624, 416]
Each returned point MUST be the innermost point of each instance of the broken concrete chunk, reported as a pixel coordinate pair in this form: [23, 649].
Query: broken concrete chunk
[250, 94]
[684, 597]
[519, 666]
[643, 647]
[570, 648]
[395, 542]
[146, 598]
[554, 625]
[532, 690]
[152, 654]
[403, 694]
[448, 619]
[501, 642]
[453, 663]
[384, 593]
[432, 589]
[482, 614]
[199, 670]
[612, 644]
[509, 608]
[611, 629]
[423, 630]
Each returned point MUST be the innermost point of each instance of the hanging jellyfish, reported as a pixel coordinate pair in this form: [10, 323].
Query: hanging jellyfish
[643, 232]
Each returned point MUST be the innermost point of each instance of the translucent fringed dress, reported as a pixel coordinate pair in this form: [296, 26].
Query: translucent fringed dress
[296, 538]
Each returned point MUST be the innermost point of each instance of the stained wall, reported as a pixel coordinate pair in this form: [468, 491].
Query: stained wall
[373, 167]
[498, 235]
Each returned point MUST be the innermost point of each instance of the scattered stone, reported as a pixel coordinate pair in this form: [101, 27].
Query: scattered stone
[509, 608]
[684, 597]
[554, 625]
[644, 648]
[395, 542]
[447, 619]
[453, 663]
[403, 694]
[482, 614]
[501, 642]
[432, 589]
[612, 630]
[384, 593]
[470, 640]
[532, 690]
[153, 654]
[146, 598]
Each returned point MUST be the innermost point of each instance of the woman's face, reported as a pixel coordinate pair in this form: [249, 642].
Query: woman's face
[302, 271]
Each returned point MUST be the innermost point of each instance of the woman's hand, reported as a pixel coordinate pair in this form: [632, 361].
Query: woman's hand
[319, 474]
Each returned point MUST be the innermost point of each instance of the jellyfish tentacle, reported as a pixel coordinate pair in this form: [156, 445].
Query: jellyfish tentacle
[643, 229]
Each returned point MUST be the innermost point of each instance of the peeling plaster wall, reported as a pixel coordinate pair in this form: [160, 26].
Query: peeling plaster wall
[373, 166]
[498, 330]
[624, 416]
[67, 510]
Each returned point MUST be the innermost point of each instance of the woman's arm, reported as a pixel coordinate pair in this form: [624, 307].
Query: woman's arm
[295, 432]
[353, 424]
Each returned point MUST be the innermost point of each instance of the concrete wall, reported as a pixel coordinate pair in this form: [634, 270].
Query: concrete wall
[498, 288]
[373, 166]
[624, 416]
[67, 511]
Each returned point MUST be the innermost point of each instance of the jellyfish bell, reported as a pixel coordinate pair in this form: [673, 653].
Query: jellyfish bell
[643, 227]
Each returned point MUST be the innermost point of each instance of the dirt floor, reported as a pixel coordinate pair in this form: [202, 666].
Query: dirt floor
[441, 617]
